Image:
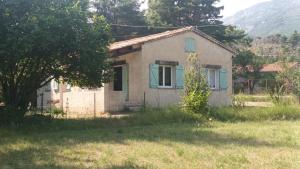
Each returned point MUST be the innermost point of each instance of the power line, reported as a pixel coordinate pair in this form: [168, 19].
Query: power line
[164, 27]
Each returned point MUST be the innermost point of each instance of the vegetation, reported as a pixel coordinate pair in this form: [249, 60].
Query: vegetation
[197, 91]
[203, 14]
[45, 40]
[179, 145]
[268, 18]
[278, 48]
[277, 112]
[122, 12]
[288, 99]
[247, 65]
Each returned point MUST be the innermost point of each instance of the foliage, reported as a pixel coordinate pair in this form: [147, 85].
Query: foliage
[295, 39]
[196, 89]
[277, 47]
[121, 12]
[238, 101]
[237, 38]
[278, 112]
[268, 18]
[247, 65]
[45, 40]
[287, 81]
[296, 84]
[203, 14]
[276, 91]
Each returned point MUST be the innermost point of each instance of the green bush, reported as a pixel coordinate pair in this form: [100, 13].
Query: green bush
[278, 112]
[197, 92]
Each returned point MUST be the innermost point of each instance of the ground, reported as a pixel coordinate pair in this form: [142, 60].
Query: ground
[180, 145]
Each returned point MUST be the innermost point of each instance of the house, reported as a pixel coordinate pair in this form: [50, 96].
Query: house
[149, 71]
[278, 67]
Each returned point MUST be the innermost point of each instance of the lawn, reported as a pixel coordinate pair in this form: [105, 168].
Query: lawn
[179, 145]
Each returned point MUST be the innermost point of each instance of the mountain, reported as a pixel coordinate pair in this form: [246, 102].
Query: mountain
[267, 18]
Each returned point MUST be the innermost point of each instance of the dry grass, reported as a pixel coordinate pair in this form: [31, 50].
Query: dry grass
[180, 145]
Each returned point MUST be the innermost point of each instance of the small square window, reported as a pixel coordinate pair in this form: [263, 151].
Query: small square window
[190, 45]
[118, 78]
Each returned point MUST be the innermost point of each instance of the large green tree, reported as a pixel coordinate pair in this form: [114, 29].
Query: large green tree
[202, 13]
[45, 40]
[121, 12]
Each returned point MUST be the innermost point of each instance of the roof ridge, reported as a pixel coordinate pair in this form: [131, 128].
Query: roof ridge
[165, 34]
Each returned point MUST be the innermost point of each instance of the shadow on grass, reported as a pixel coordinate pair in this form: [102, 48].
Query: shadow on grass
[44, 147]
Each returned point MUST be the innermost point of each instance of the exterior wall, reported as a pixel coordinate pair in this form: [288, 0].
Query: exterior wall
[116, 100]
[83, 102]
[47, 97]
[172, 49]
[75, 102]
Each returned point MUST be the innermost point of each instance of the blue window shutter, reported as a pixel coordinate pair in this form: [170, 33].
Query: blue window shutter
[223, 79]
[190, 45]
[125, 81]
[180, 77]
[218, 85]
[153, 81]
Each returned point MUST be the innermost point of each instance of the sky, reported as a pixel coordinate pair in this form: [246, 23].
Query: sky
[231, 6]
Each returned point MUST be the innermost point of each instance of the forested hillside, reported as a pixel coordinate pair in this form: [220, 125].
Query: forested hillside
[269, 18]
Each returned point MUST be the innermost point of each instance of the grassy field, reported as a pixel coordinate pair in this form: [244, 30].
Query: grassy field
[178, 145]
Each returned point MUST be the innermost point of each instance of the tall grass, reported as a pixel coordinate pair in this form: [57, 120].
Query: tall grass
[148, 116]
[288, 99]
[277, 112]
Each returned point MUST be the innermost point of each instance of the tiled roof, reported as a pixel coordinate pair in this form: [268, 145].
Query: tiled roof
[277, 67]
[141, 40]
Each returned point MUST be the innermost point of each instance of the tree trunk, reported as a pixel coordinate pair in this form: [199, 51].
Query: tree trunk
[251, 87]
[15, 104]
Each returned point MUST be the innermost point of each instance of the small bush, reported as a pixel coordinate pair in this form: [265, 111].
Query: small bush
[55, 112]
[197, 91]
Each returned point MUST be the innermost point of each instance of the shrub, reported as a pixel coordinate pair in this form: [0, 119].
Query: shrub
[197, 91]
[55, 112]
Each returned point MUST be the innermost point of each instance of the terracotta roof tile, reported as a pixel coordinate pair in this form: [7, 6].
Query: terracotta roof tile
[141, 40]
[276, 67]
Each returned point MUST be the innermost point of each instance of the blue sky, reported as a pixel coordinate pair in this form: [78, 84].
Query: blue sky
[232, 6]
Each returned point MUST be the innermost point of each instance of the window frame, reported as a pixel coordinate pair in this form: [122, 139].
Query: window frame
[209, 78]
[193, 43]
[114, 89]
[55, 86]
[164, 77]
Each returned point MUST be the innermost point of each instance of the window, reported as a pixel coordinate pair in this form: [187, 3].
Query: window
[165, 76]
[68, 87]
[190, 45]
[118, 78]
[213, 78]
[55, 85]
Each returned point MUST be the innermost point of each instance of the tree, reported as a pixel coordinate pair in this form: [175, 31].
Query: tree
[247, 65]
[202, 13]
[121, 12]
[296, 84]
[236, 38]
[45, 40]
[295, 39]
